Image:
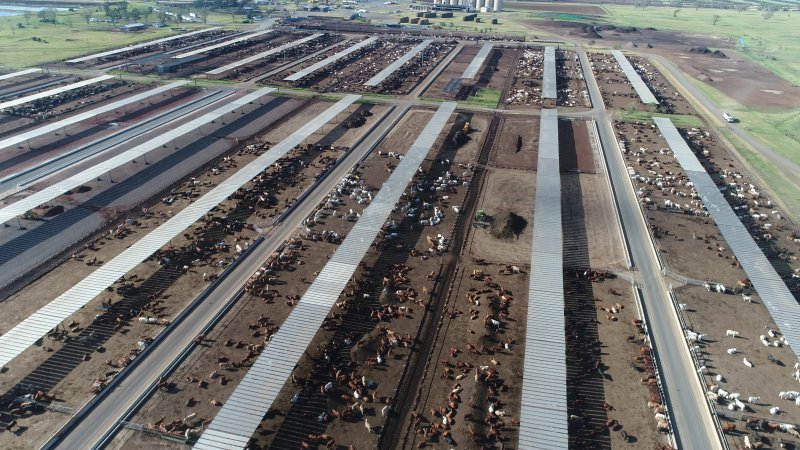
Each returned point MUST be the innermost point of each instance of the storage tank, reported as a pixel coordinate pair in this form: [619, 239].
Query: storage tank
[498, 5]
[453, 2]
[478, 4]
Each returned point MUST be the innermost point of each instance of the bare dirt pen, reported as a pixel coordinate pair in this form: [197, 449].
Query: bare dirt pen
[355, 320]
[170, 288]
[569, 81]
[517, 144]
[46, 146]
[691, 245]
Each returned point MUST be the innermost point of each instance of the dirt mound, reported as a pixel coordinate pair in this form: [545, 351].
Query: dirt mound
[54, 211]
[367, 347]
[508, 225]
[589, 32]
[707, 51]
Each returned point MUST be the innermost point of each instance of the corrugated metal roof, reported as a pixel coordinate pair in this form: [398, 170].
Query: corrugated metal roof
[333, 58]
[776, 296]
[221, 44]
[102, 167]
[262, 55]
[477, 61]
[543, 408]
[39, 323]
[266, 378]
[644, 92]
[383, 74]
[49, 128]
[20, 73]
[54, 91]
[549, 86]
[133, 47]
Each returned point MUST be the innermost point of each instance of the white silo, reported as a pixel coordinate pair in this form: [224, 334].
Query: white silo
[498, 5]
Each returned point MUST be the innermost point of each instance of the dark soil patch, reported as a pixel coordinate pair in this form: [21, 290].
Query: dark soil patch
[508, 225]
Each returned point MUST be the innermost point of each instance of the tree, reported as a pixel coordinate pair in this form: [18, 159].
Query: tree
[716, 19]
[135, 14]
[675, 13]
[47, 15]
[87, 15]
[768, 13]
[147, 13]
[27, 15]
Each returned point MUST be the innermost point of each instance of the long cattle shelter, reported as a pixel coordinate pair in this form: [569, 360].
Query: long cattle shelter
[543, 410]
[770, 287]
[641, 88]
[23, 335]
[241, 414]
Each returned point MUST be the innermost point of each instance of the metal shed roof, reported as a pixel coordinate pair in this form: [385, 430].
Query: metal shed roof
[780, 302]
[20, 206]
[16, 340]
[20, 73]
[262, 55]
[383, 74]
[477, 61]
[221, 44]
[549, 88]
[55, 126]
[543, 409]
[333, 58]
[644, 92]
[264, 381]
[51, 92]
[133, 47]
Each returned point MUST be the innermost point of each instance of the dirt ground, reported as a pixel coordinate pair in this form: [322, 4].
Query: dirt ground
[575, 8]
[47, 146]
[371, 174]
[617, 92]
[752, 84]
[691, 245]
[72, 391]
[517, 144]
[505, 191]
[442, 88]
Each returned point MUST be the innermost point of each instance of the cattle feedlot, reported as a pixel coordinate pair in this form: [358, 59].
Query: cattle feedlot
[397, 226]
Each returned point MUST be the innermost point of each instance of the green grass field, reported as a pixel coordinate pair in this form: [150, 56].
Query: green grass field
[72, 36]
[774, 42]
[488, 98]
[680, 120]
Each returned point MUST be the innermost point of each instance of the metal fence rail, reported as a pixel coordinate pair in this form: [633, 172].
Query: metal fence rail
[241, 414]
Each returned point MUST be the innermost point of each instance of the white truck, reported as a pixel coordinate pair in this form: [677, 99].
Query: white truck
[728, 117]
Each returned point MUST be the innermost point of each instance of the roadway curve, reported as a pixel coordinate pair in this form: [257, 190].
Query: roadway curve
[106, 415]
[789, 168]
[691, 418]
